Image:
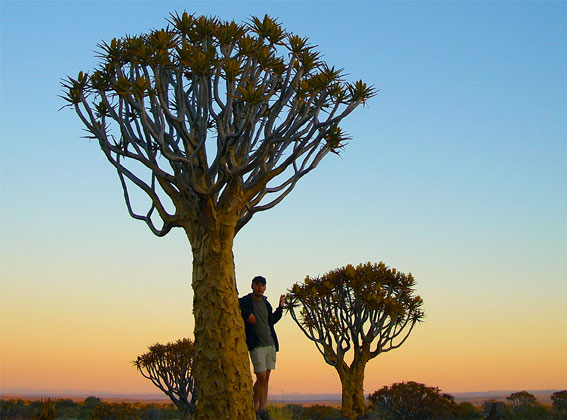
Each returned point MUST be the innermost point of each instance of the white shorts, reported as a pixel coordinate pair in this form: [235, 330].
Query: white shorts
[263, 358]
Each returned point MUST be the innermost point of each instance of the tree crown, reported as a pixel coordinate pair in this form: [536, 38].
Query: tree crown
[356, 305]
[221, 113]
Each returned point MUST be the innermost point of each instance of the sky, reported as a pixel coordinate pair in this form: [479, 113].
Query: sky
[456, 172]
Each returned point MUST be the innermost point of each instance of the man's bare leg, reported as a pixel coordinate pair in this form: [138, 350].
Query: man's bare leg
[261, 390]
[266, 388]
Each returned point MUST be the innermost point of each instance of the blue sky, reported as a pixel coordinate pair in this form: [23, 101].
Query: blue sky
[456, 172]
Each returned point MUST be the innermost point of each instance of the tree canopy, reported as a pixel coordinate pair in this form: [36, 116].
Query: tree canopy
[351, 306]
[368, 310]
[169, 367]
[559, 402]
[412, 401]
[208, 107]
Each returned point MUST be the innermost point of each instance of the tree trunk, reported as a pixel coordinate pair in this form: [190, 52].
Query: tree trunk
[353, 402]
[221, 366]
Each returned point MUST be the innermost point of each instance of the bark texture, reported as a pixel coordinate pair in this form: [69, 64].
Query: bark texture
[352, 381]
[222, 378]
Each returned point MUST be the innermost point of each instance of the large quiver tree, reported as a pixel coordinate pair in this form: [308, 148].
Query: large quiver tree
[369, 309]
[213, 121]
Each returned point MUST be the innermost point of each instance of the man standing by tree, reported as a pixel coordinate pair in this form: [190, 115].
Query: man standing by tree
[261, 339]
[212, 122]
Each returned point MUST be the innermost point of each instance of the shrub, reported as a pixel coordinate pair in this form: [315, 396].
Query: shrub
[108, 411]
[46, 410]
[321, 412]
[412, 401]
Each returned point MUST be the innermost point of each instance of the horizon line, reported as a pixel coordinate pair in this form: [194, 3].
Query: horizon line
[27, 392]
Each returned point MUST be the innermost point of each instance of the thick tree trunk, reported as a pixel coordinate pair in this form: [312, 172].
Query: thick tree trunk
[221, 366]
[353, 402]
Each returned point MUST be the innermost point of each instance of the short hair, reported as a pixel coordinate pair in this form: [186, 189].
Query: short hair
[259, 279]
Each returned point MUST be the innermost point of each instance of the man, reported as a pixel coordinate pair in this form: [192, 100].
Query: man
[261, 339]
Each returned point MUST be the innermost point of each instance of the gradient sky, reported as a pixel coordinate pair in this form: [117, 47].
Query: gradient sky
[456, 172]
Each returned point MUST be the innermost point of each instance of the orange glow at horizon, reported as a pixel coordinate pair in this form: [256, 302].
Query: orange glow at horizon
[58, 359]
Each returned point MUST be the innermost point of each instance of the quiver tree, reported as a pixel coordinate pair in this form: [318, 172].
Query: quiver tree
[169, 367]
[214, 122]
[369, 309]
[412, 401]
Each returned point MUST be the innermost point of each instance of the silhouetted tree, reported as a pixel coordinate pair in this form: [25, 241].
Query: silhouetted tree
[46, 410]
[524, 406]
[91, 402]
[169, 367]
[370, 309]
[15, 410]
[411, 401]
[559, 403]
[88, 407]
[466, 410]
[521, 399]
[214, 122]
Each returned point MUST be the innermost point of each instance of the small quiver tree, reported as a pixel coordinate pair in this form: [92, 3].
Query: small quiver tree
[169, 367]
[411, 401]
[213, 121]
[369, 309]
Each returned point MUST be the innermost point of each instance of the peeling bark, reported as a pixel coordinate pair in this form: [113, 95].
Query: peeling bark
[352, 380]
[222, 378]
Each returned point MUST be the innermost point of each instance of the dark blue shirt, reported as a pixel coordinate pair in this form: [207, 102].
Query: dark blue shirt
[247, 308]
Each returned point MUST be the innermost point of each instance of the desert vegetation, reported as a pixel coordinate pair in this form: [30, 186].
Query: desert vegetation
[399, 401]
[91, 408]
[212, 122]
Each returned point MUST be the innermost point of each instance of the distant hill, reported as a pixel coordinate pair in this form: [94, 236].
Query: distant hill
[477, 398]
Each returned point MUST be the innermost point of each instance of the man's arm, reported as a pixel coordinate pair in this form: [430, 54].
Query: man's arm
[278, 314]
[279, 310]
[245, 310]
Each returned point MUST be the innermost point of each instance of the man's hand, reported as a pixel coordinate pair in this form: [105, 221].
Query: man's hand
[251, 319]
[282, 300]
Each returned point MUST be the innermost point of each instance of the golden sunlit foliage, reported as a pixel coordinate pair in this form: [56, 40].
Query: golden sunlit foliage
[352, 306]
[244, 84]
[369, 309]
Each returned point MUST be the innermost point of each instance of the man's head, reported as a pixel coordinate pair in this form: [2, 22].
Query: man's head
[259, 279]
[258, 286]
